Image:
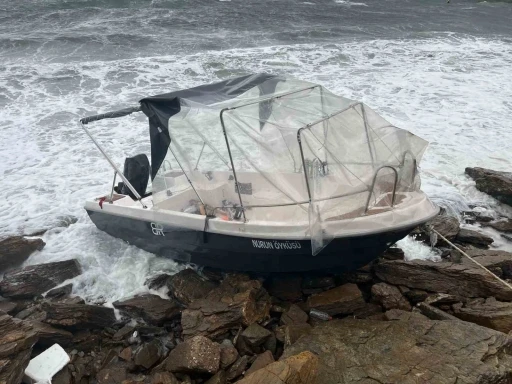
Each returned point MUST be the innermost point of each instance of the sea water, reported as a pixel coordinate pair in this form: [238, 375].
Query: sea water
[442, 71]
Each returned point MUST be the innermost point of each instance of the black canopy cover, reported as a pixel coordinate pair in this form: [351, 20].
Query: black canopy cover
[160, 108]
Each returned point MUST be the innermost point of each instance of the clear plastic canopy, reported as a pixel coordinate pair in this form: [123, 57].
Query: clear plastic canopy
[295, 154]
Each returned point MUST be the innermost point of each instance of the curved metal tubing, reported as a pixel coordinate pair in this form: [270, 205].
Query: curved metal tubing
[373, 186]
[125, 180]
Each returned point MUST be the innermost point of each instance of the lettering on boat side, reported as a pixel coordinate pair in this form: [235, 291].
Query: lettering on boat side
[157, 229]
[262, 244]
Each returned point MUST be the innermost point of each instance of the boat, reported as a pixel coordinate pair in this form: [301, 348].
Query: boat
[264, 173]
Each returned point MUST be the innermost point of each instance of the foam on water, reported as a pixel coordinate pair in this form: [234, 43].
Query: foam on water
[452, 90]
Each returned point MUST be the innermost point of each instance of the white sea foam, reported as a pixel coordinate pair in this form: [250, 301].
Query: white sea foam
[453, 91]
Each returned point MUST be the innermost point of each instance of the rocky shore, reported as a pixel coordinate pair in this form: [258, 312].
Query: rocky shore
[391, 321]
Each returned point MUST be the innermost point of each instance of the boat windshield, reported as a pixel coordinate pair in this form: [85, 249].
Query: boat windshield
[286, 151]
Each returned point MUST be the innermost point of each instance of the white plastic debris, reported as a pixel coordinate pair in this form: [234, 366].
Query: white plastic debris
[43, 367]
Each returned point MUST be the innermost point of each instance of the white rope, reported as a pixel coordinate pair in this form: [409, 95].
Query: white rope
[470, 258]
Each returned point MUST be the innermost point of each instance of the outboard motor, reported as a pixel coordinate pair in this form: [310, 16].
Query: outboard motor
[136, 170]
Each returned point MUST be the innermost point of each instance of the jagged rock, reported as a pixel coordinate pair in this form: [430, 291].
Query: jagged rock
[491, 314]
[271, 343]
[8, 307]
[407, 350]
[390, 297]
[187, 286]
[502, 225]
[255, 335]
[368, 310]
[60, 292]
[124, 332]
[398, 314]
[448, 226]
[356, 277]
[163, 378]
[111, 375]
[286, 287]
[261, 361]
[499, 262]
[49, 335]
[28, 312]
[299, 369]
[237, 301]
[62, 377]
[294, 315]
[149, 354]
[78, 316]
[494, 183]
[341, 300]
[16, 341]
[195, 355]
[15, 250]
[474, 238]
[228, 354]
[294, 332]
[33, 280]
[151, 308]
[463, 279]
[434, 313]
[237, 368]
[219, 378]
[126, 354]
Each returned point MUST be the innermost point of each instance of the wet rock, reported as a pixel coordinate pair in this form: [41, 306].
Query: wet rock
[34, 280]
[62, 377]
[124, 332]
[434, 313]
[474, 238]
[393, 253]
[151, 308]
[448, 226]
[261, 361]
[357, 277]
[111, 375]
[28, 312]
[389, 297]
[401, 351]
[228, 354]
[341, 300]
[49, 335]
[60, 292]
[294, 315]
[502, 225]
[286, 287]
[158, 281]
[219, 378]
[237, 368]
[187, 286]
[255, 335]
[15, 250]
[316, 284]
[298, 369]
[491, 314]
[78, 316]
[439, 299]
[163, 378]
[463, 279]
[294, 332]
[237, 301]
[494, 183]
[195, 355]
[16, 341]
[149, 354]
